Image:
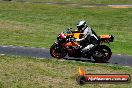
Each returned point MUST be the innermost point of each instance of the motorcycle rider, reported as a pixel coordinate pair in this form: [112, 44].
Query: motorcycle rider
[89, 38]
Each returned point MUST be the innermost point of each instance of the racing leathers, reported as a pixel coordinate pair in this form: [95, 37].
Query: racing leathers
[89, 39]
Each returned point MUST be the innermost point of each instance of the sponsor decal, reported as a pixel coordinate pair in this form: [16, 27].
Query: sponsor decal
[101, 78]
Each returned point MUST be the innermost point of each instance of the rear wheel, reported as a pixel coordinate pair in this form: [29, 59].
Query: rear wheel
[102, 53]
[57, 51]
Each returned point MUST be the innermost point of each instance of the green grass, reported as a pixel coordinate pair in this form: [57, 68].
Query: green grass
[37, 25]
[26, 72]
[84, 1]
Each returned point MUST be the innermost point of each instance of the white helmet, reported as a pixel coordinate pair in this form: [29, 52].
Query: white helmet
[81, 25]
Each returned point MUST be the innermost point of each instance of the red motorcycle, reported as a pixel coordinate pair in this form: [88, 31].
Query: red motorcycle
[65, 45]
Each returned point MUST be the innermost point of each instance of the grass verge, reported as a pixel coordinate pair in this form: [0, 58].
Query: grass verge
[26, 72]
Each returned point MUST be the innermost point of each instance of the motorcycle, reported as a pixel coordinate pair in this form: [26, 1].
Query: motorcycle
[65, 45]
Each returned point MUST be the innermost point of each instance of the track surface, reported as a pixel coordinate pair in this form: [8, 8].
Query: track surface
[44, 53]
[81, 5]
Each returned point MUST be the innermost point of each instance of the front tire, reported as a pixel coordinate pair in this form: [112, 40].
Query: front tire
[57, 51]
[102, 54]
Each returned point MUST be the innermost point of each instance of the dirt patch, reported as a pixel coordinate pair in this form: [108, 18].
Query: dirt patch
[14, 25]
[120, 6]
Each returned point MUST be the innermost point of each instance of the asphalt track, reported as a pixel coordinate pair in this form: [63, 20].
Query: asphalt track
[80, 5]
[123, 60]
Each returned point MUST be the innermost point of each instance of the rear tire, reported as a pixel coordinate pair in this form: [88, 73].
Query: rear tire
[102, 54]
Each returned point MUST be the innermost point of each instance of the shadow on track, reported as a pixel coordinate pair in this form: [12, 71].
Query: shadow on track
[81, 59]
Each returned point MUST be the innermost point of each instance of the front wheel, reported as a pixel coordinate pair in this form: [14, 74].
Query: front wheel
[102, 53]
[57, 51]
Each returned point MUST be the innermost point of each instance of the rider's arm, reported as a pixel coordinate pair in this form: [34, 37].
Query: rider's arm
[86, 33]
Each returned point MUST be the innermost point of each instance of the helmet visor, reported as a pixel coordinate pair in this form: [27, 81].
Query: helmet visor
[80, 27]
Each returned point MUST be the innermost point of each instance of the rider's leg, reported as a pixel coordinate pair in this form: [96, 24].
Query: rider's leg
[88, 47]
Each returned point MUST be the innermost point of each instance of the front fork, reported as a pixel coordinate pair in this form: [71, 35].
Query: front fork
[60, 45]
